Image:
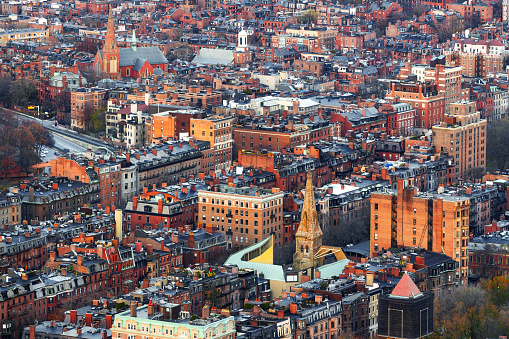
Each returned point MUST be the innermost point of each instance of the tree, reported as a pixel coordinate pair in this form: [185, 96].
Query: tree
[350, 232]
[98, 119]
[283, 254]
[213, 295]
[5, 91]
[23, 93]
[468, 312]
[497, 136]
[307, 17]
[498, 288]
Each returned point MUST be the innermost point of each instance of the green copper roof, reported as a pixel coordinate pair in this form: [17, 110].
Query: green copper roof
[270, 272]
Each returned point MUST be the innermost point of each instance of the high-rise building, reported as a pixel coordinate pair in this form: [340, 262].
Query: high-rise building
[463, 136]
[437, 222]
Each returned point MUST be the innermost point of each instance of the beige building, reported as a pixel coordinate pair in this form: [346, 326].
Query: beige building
[217, 130]
[25, 34]
[156, 321]
[10, 208]
[463, 136]
[245, 215]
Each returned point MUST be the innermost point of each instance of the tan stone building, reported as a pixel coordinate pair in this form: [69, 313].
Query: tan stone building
[245, 215]
[463, 136]
[308, 238]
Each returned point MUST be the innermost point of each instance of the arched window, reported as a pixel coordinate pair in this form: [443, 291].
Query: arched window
[302, 248]
[307, 249]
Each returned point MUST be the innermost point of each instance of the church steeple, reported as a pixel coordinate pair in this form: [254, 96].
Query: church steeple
[133, 45]
[309, 235]
[110, 42]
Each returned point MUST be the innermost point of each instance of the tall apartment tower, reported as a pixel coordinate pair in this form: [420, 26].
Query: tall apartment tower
[505, 10]
[437, 222]
[463, 136]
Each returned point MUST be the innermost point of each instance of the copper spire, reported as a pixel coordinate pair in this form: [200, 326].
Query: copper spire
[309, 218]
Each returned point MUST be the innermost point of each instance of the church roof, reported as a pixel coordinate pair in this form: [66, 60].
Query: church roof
[211, 56]
[129, 57]
[406, 288]
[139, 64]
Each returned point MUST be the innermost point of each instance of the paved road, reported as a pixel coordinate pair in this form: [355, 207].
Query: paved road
[60, 142]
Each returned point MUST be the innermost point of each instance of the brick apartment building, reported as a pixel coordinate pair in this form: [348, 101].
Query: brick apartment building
[434, 221]
[218, 131]
[197, 96]
[463, 136]
[447, 78]
[428, 102]
[245, 215]
[84, 102]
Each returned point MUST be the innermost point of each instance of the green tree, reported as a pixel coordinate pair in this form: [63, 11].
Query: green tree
[98, 120]
[308, 16]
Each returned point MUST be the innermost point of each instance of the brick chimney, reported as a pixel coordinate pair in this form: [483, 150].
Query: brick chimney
[205, 312]
[88, 319]
[133, 309]
[151, 308]
[160, 206]
[190, 240]
[74, 316]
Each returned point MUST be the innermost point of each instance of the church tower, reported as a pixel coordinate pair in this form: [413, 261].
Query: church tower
[110, 52]
[309, 235]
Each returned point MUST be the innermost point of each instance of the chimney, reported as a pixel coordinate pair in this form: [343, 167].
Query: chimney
[128, 157]
[293, 308]
[88, 319]
[133, 309]
[32, 331]
[150, 249]
[55, 186]
[74, 316]
[79, 260]
[205, 312]
[160, 206]
[105, 335]
[190, 240]
[151, 308]
[135, 203]
[162, 246]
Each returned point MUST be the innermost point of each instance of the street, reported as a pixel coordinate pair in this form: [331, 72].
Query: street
[60, 142]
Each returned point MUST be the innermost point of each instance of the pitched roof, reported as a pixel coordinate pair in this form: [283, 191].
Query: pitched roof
[406, 288]
[128, 56]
